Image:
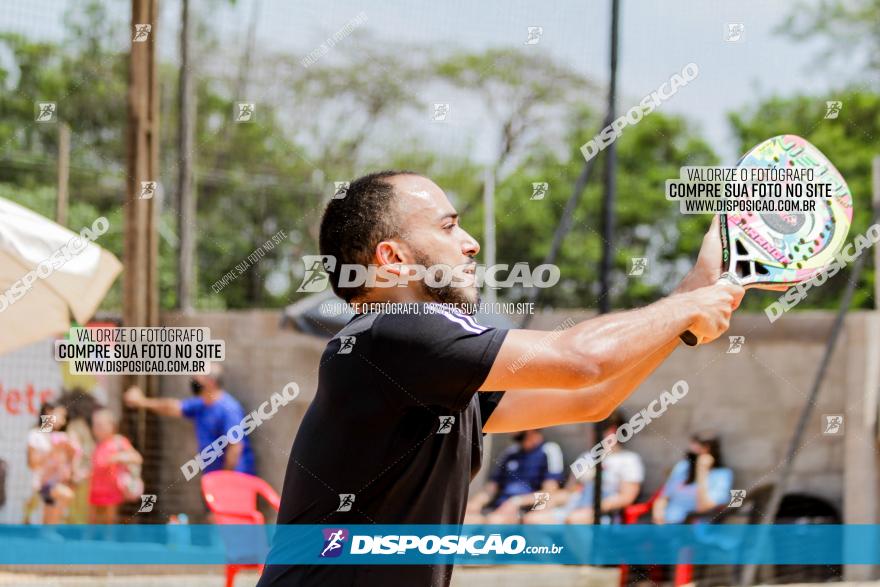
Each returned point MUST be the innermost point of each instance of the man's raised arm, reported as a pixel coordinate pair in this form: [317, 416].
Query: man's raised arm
[602, 348]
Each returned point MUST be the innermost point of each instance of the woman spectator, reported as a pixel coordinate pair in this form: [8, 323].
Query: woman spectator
[697, 484]
[113, 457]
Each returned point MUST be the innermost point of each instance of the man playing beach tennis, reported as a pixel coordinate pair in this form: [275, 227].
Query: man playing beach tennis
[378, 445]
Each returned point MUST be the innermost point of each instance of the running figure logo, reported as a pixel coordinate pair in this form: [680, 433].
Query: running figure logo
[245, 112]
[541, 501]
[346, 500]
[736, 344]
[539, 190]
[535, 33]
[141, 32]
[440, 112]
[45, 112]
[315, 279]
[148, 190]
[639, 264]
[333, 539]
[446, 423]
[47, 423]
[832, 109]
[833, 424]
[147, 503]
[736, 498]
[734, 32]
[346, 345]
[340, 189]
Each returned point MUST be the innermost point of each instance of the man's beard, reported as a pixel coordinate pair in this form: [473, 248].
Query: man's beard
[465, 298]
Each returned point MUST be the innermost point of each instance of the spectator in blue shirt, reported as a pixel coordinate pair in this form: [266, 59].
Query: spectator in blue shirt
[212, 411]
[528, 471]
[697, 484]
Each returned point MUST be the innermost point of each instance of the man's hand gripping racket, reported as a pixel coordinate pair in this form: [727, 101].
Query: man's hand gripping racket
[714, 305]
[774, 250]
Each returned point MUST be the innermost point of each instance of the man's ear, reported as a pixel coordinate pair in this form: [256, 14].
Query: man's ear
[391, 252]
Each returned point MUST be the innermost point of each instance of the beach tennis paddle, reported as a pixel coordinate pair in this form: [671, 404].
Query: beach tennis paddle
[785, 248]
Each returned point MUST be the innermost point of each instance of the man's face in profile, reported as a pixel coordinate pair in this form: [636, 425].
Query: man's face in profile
[431, 235]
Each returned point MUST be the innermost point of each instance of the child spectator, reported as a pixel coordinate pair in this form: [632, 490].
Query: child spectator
[53, 458]
[115, 469]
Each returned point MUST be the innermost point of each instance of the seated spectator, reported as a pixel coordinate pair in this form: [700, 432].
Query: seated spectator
[53, 458]
[111, 460]
[622, 477]
[529, 466]
[697, 484]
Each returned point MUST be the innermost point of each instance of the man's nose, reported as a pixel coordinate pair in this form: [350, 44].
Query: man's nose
[470, 246]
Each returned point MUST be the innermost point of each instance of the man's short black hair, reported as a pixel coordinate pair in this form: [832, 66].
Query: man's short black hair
[352, 226]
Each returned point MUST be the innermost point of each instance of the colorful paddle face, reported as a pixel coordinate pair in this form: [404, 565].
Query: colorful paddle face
[780, 247]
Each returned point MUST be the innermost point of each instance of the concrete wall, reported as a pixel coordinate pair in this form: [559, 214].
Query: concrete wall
[752, 399]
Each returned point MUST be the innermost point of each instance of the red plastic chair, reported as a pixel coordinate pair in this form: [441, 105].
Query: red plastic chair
[232, 498]
[631, 515]
[683, 573]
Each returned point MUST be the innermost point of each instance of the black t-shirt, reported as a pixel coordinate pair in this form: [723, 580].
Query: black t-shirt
[380, 428]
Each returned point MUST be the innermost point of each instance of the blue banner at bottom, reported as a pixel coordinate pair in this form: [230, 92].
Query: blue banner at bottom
[436, 544]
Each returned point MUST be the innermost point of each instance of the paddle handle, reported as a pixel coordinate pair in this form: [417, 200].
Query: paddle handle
[688, 337]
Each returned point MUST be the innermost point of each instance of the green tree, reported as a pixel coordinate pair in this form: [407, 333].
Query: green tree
[851, 27]
[647, 225]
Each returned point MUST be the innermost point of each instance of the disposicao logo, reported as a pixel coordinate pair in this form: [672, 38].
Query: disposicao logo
[333, 542]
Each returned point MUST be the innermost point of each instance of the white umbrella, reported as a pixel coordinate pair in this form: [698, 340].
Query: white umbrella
[47, 274]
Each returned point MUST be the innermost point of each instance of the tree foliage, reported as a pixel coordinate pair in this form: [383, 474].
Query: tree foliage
[352, 111]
